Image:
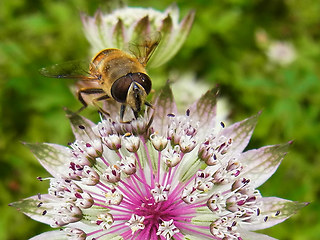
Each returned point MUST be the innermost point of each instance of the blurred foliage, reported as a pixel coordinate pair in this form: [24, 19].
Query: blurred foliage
[222, 49]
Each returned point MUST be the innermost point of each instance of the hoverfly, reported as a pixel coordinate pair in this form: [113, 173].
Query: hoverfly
[113, 74]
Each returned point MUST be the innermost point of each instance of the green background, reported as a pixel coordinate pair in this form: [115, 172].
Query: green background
[221, 49]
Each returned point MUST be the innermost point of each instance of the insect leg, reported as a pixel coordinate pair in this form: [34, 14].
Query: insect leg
[152, 116]
[87, 91]
[148, 104]
[104, 97]
[135, 113]
[122, 109]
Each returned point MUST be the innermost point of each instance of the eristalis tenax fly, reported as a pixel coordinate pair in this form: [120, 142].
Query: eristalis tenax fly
[113, 74]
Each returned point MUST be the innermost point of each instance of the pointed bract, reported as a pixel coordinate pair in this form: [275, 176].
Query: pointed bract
[165, 107]
[52, 157]
[52, 235]
[260, 164]
[246, 235]
[118, 35]
[176, 41]
[35, 207]
[276, 211]
[204, 110]
[241, 132]
[81, 127]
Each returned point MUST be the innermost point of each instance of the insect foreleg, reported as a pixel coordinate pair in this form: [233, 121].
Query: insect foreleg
[94, 101]
[148, 104]
[122, 109]
[87, 91]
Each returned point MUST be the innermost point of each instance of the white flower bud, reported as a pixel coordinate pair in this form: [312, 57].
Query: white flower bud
[105, 221]
[89, 176]
[84, 200]
[190, 195]
[167, 229]
[103, 129]
[128, 165]
[158, 142]
[113, 197]
[65, 213]
[113, 142]
[112, 174]
[172, 157]
[94, 148]
[135, 223]
[187, 144]
[131, 143]
[160, 193]
[75, 234]
[204, 180]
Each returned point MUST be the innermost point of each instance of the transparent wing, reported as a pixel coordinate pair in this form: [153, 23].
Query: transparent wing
[144, 46]
[72, 70]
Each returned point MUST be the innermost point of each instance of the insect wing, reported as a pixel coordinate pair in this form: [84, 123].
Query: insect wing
[144, 47]
[73, 70]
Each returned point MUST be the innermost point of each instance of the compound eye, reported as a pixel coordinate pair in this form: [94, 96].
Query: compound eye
[143, 80]
[120, 87]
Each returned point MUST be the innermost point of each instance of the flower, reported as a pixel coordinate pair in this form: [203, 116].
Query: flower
[161, 176]
[125, 26]
[282, 53]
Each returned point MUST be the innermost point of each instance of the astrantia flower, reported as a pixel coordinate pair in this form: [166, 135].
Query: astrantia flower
[278, 52]
[127, 25]
[162, 176]
[282, 53]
